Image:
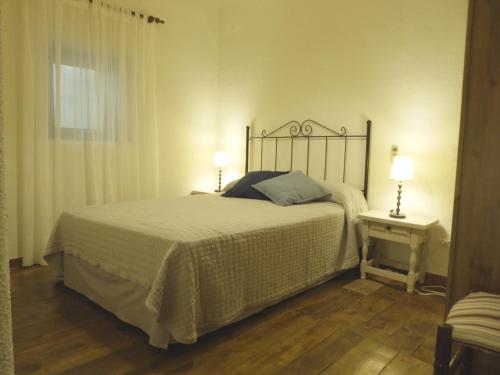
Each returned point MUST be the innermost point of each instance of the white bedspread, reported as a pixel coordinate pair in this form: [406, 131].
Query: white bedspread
[207, 259]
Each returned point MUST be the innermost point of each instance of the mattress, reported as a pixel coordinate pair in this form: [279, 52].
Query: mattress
[205, 260]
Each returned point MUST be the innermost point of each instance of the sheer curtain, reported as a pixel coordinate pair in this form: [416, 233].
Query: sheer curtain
[88, 132]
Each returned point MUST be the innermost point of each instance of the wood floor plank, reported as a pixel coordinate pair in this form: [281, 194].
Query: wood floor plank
[384, 324]
[323, 354]
[240, 354]
[290, 346]
[430, 305]
[407, 365]
[369, 357]
[425, 352]
[412, 334]
[333, 301]
[71, 348]
[357, 311]
[326, 329]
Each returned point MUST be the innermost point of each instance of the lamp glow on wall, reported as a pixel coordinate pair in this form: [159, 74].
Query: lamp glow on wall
[220, 161]
[402, 170]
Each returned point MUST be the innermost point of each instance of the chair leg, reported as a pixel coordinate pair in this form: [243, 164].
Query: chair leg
[443, 350]
[467, 361]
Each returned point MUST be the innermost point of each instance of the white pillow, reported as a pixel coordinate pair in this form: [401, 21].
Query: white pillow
[351, 197]
[354, 202]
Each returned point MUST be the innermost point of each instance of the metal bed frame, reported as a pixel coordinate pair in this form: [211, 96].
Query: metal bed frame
[304, 131]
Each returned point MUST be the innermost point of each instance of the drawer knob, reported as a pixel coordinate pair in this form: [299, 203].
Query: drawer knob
[388, 228]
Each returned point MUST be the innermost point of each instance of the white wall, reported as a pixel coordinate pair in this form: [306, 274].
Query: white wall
[187, 79]
[340, 62]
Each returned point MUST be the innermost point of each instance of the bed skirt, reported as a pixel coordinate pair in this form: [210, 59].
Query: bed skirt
[126, 299]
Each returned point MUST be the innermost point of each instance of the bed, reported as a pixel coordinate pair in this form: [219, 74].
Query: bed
[181, 268]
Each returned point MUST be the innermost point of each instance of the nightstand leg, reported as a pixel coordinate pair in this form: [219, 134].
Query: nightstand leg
[413, 265]
[364, 251]
[423, 262]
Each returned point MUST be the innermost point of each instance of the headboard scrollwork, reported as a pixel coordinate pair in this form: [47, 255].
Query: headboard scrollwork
[308, 130]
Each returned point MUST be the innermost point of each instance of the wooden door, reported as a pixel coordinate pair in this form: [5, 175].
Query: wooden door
[475, 246]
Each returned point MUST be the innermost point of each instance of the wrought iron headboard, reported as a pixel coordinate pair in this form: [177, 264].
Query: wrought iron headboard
[305, 131]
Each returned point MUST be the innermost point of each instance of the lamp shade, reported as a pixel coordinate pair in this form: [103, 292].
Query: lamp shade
[402, 168]
[220, 159]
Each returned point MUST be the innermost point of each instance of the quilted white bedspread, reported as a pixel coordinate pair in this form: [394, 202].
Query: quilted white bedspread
[206, 259]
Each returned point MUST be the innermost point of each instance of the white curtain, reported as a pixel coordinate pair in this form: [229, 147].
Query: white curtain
[88, 132]
[6, 351]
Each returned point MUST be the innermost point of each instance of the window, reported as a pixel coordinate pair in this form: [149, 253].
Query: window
[74, 101]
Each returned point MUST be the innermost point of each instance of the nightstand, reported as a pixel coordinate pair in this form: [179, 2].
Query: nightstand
[412, 231]
[197, 192]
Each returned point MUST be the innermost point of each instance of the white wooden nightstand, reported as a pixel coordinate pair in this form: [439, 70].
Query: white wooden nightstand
[198, 192]
[411, 231]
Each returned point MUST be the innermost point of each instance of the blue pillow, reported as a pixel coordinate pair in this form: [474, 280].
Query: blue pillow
[244, 189]
[293, 188]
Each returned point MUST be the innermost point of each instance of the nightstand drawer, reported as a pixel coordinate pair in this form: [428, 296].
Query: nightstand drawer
[389, 232]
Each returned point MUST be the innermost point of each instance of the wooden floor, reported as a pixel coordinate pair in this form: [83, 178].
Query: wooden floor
[327, 330]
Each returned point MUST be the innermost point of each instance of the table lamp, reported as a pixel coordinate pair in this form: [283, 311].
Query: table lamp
[402, 170]
[220, 161]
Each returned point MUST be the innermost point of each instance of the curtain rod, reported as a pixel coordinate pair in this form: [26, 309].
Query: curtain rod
[133, 13]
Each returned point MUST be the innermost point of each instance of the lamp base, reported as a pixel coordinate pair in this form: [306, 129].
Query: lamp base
[397, 215]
